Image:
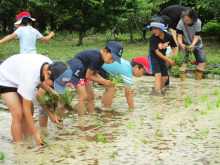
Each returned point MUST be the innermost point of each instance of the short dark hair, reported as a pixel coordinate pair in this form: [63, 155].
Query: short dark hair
[25, 21]
[166, 20]
[191, 13]
[108, 49]
[135, 63]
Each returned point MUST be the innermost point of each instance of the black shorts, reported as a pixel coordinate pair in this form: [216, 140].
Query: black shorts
[4, 89]
[158, 66]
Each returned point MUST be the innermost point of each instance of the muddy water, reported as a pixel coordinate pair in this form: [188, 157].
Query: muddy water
[185, 135]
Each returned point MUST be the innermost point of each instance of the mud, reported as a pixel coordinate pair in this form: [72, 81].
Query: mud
[161, 130]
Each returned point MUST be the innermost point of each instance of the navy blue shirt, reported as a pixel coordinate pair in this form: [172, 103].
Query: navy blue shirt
[157, 43]
[91, 59]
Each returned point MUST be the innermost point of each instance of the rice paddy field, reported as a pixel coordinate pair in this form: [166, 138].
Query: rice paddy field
[181, 127]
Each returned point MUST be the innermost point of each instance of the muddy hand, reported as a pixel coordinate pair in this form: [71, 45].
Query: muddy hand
[56, 119]
[37, 137]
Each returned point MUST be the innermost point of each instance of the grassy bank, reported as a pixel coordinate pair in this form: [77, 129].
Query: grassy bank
[63, 46]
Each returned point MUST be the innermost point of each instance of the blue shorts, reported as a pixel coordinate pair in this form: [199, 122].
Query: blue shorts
[158, 65]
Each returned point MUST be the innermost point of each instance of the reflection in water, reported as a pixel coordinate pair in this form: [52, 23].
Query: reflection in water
[131, 136]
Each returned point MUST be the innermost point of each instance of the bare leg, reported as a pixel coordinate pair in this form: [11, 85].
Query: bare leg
[43, 121]
[90, 99]
[163, 81]
[108, 96]
[81, 91]
[158, 80]
[14, 104]
[26, 129]
[201, 66]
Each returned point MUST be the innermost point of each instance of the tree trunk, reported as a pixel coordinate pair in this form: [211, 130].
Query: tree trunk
[81, 36]
[131, 32]
[51, 23]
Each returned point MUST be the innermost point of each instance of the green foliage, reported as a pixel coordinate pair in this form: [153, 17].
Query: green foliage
[188, 102]
[212, 28]
[203, 112]
[175, 70]
[216, 92]
[113, 153]
[218, 103]
[116, 79]
[50, 100]
[178, 59]
[209, 106]
[204, 97]
[158, 133]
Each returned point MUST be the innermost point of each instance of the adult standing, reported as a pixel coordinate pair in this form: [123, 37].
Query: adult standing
[174, 13]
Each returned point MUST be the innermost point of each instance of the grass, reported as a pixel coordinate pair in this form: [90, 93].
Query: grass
[204, 97]
[2, 156]
[63, 46]
[102, 138]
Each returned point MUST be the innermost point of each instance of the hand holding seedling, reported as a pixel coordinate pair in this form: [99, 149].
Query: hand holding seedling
[183, 47]
[171, 62]
[54, 118]
[109, 83]
[51, 34]
[38, 137]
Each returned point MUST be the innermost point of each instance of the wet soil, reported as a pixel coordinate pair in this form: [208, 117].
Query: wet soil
[161, 130]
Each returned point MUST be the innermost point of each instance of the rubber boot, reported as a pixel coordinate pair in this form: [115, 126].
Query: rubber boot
[183, 75]
[198, 74]
[168, 81]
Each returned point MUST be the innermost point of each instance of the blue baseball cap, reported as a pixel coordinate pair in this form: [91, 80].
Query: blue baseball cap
[157, 22]
[61, 75]
[116, 50]
[77, 70]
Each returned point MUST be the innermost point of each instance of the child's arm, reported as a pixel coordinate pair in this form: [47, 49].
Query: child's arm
[180, 40]
[48, 89]
[94, 76]
[164, 57]
[27, 104]
[129, 97]
[47, 38]
[53, 117]
[9, 37]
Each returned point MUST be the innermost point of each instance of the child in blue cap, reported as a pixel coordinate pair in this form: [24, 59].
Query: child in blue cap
[85, 66]
[159, 41]
[19, 76]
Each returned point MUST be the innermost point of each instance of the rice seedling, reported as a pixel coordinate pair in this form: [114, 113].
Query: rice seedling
[144, 141]
[182, 123]
[130, 125]
[204, 97]
[98, 123]
[158, 133]
[195, 118]
[113, 153]
[218, 103]
[63, 155]
[188, 102]
[209, 106]
[219, 125]
[43, 162]
[80, 147]
[216, 92]
[135, 145]
[206, 131]
[47, 144]
[157, 116]
[102, 138]
[203, 112]
[129, 110]
[196, 136]
[173, 129]
[142, 121]
[116, 79]
[2, 156]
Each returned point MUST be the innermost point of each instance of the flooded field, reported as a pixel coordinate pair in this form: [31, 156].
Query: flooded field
[180, 127]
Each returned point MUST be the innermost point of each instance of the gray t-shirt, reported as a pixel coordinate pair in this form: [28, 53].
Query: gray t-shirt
[189, 32]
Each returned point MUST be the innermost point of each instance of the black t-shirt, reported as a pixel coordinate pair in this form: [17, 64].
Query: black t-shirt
[174, 13]
[91, 59]
[157, 43]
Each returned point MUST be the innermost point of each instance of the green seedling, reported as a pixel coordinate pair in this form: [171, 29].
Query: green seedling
[102, 138]
[219, 125]
[204, 97]
[218, 103]
[216, 92]
[63, 155]
[195, 118]
[206, 131]
[135, 146]
[43, 162]
[98, 124]
[158, 133]
[47, 31]
[171, 153]
[2, 156]
[47, 144]
[157, 116]
[182, 123]
[129, 110]
[203, 112]
[196, 136]
[178, 59]
[209, 106]
[80, 147]
[144, 141]
[113, 153]
[142, 121]
[116, 79]
[130, 125]
[173, 129]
